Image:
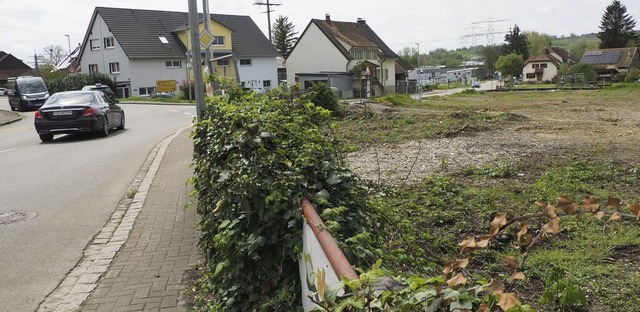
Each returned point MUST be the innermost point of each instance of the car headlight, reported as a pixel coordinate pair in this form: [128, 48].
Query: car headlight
[24, 98]
[46, 96]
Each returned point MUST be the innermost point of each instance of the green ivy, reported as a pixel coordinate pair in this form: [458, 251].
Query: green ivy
[255, 158]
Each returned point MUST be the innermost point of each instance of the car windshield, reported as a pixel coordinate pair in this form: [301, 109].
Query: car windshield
[31, 85]
[64, 98]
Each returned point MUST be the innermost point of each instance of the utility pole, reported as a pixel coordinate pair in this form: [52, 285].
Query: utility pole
[259, 2]
[419, 73]
[207, 27]
[197, 62]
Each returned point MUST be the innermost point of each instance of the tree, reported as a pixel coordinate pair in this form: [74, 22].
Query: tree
[586, 71]
[516, 42]
[490, 55]
[616, 28]
[53, 55]
[510, 65]
[284, 35]
[410, 55]
[537, 42]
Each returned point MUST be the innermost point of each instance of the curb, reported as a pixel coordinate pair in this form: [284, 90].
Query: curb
[78, 284]
[17, 118]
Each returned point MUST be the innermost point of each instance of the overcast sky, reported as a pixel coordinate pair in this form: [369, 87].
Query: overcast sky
[27, 26]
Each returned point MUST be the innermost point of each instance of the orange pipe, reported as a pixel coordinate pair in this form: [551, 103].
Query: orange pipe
[336, 257]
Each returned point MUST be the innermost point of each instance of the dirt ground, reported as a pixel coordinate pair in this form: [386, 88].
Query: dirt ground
[548, 127]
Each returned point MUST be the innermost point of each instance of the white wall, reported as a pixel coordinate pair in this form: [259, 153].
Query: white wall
[103, 56]
[261, 68]
[145, 73]
[314, 53]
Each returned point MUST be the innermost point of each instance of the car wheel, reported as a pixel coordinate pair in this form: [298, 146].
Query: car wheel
[121, 126]
[46, 137]
[12, 108]
[105, 128]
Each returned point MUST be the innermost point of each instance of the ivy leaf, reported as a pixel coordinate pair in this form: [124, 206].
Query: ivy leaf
[512, 262]
[333, 178]
[332, 291]
[613, 203]
[469, 243]
[635, 209]
[459, 279]
[323, 194]
[508, 301]
[552, 227]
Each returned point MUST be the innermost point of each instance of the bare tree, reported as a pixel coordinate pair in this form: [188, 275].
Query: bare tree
[53, 55]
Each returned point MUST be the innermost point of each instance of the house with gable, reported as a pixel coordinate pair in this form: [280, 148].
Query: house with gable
[10, 66]
[544, 66]
[138, 48]
[328, 51]
[610, 62]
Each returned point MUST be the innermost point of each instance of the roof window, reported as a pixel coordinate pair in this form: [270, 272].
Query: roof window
[163, 39]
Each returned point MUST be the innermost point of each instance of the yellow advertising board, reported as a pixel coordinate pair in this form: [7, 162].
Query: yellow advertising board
[165, 86]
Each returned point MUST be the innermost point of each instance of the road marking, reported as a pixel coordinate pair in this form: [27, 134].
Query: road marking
[9, 150]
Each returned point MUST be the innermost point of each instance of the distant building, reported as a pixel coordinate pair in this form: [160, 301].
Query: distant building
[10, 66]
[544, 66]
[610, 62]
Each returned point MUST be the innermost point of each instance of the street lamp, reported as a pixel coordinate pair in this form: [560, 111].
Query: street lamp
[69, 41]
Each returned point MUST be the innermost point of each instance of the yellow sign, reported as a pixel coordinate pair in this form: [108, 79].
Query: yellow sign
[165, 86]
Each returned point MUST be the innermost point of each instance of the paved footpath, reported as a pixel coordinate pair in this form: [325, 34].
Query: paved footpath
[148, 269]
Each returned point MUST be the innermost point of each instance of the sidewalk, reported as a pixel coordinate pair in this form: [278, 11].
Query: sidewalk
[140, 261]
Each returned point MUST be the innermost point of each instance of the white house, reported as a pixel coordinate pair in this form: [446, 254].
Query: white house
[328, 51]
[139, 48]
[544, 66]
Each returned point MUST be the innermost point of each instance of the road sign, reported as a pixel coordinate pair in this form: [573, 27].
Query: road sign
[165, 86]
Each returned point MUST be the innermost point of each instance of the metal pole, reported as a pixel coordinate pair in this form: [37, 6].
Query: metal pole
[197, 60]
[419, 73]
[207, 26]
[269, 19]
[69, 41]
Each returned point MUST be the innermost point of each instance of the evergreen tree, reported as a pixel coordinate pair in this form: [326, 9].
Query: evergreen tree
[616, 28]
[516, 42]
[283, 35]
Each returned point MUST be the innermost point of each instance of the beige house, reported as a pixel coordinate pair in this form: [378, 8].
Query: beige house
[544, 66]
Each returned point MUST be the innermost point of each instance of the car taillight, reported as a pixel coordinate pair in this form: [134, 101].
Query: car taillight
[37, 115]
[89, 111]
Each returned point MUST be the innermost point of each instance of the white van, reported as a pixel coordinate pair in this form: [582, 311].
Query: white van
[26, 92]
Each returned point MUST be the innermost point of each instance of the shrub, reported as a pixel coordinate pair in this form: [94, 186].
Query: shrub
[321, 95]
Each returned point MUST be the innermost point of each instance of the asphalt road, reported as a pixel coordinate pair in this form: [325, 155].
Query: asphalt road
[63, 193]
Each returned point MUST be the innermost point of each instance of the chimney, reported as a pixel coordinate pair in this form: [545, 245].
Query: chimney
[362, 20]
[327, 17]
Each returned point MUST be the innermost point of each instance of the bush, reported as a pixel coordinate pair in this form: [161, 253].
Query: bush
[321, 95]
[76, 82]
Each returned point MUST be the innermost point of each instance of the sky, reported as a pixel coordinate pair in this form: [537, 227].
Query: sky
[28, 26]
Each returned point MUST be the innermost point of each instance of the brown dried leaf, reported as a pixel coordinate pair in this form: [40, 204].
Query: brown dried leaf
[541, 203]
[550, 211]
[563, 200]
[590, 203]
[613, 203]
[598, 215]
[459, 279]
[615, 217]
[484, 241]
[508, 301]
[569, 208]
[512, 262]
[461, 263]
[635, 209]
[468, 244]
[552, 227]
[448, 268]
[517, 276]
[498, 221]
[483, 308]
[528, 240]
[496, 287]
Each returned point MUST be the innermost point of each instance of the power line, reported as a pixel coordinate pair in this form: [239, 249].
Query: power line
[269, 5]
[489, 33]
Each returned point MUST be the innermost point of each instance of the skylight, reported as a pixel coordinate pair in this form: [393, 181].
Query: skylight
[163, 39]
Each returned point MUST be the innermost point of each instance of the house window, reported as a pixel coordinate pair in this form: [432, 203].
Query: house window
[147, 91]
[543, 65]
[360, 54]
[173, 64]
[386, 74]
[245, 62]
[531, 75]
[94, 44]
[535, 66]
[109, 43]
[93, 68]
[114, 68]
[266, 83]
[163, 39]
[354, 53]
[223, 62]
[218, 40]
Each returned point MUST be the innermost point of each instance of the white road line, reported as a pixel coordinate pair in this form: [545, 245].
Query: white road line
[9, 150]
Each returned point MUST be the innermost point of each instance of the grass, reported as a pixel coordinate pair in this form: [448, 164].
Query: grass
[428, 219]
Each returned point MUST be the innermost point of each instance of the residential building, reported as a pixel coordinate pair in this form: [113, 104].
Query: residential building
[10, 66]
[544, 66]
[139, 48]
[610, 62]
[328, 51]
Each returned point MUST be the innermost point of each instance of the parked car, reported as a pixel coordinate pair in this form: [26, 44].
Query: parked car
[26, 92]
[475, 84]
[78, 111]
[104, 88]
[163, 95]
[3, 91]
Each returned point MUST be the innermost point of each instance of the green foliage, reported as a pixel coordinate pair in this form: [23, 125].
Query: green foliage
[321, 95]
[283, 35]
[254, 159]
[586, 72]
[537, 42]
[633, 75]
[562, 293]
[517, 43]
[617, 28]
[510, 65]
[76, 82]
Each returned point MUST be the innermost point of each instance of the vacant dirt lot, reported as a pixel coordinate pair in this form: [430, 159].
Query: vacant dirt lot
[552, 123]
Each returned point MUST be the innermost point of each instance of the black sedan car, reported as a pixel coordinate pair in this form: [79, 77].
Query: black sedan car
[78, 111]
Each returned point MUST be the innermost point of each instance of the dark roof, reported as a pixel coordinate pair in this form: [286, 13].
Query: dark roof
[566, 56]
[357, 34]
[620, 57]
[10, 66]
[546, 55]
[138, 32]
